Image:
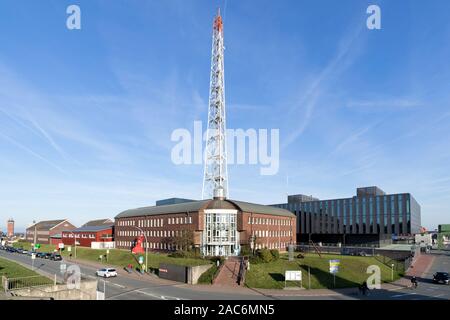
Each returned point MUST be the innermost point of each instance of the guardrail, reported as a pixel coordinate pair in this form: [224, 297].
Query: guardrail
[10, 284]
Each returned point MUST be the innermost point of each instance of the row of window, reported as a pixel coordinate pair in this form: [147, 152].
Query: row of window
[38, 239]
[269, 221]
[77, 236]
[272, 245]
[272, 233]
[38, 232]
[180, 220]
[154, 222]
[151, 233]
[148, 222]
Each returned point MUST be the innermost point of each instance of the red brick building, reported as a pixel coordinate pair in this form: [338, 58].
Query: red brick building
[10, 228]
[47, 232]
[87, 234]
[219, 226]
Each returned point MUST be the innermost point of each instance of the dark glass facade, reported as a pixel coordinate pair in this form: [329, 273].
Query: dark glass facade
[370, 212]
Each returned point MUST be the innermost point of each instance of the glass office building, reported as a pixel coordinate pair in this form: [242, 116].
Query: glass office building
[372, 216]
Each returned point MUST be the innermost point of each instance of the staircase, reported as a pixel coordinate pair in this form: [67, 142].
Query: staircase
[228, 274]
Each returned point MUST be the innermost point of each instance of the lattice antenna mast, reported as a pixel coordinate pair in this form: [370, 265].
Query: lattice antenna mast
[215, 181]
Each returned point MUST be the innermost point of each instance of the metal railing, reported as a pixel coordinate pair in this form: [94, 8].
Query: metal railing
[26, 282]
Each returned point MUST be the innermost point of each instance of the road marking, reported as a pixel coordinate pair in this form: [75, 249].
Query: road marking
[439, 295]
[403, 295]
[158, 297]
[117, 285]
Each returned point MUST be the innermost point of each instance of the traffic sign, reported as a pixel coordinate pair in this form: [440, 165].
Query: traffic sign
[141, 259]
[33, 256]
[334, 266]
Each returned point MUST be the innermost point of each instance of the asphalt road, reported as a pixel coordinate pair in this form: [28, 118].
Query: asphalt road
[126, 288]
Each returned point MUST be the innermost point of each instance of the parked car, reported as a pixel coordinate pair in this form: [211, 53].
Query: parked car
[41, 254]
[441, 277]
[19, 250]
[55, 257]
[106, 272]
[47, 256]
[24, 251]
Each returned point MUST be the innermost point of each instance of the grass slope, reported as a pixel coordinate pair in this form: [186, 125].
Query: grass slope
[352, 272]
[117, 257]
[13, 270]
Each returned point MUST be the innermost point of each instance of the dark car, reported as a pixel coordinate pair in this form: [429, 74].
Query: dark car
[20, 250]
[56, 257]
[47, 256]
[441, 277]
[40, 254]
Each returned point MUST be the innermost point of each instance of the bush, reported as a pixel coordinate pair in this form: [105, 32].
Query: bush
[217, 258]
[245, 250]
[255, 260]
[264, 255]
[275, 254]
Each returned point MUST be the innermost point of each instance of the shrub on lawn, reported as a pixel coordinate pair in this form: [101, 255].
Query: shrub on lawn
[275, 254]
[217, 258]
[255, 260]
[264, 255]
[246, 250]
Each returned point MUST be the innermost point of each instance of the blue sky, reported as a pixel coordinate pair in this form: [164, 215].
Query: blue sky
[86, 115]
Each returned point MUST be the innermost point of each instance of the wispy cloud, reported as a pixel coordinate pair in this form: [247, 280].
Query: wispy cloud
[384, 104]
[309, 100]
[36, 155]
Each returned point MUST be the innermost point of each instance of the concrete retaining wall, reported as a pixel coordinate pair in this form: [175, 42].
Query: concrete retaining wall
[194, 273]
[87, 291]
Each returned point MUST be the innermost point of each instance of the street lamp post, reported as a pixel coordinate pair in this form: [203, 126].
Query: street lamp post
[74, 242]
[392, 272]
[35, 235]
[146, 246]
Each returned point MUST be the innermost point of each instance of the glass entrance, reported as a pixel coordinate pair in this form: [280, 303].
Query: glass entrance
[220, 237]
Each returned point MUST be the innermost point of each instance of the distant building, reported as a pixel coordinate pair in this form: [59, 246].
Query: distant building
[48, 232]
[370, 217]
[85, 235]
[166, 202]
[99, 222]
[10, 228]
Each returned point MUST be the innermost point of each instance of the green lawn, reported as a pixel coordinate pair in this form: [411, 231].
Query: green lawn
[13, 270]
[119, 258]
[352, 272]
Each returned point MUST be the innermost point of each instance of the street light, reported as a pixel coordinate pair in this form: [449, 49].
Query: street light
[392, 271]
[35, 230]
[146, 246]
[74, 242]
